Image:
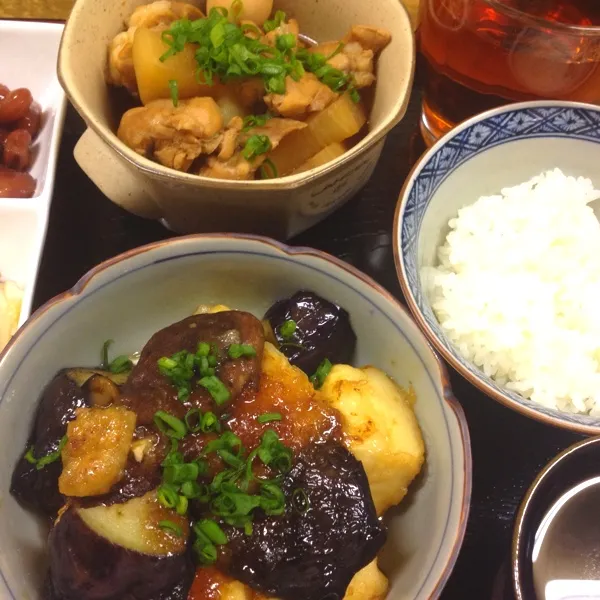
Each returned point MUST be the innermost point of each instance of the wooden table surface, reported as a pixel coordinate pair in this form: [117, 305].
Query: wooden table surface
[508, 450]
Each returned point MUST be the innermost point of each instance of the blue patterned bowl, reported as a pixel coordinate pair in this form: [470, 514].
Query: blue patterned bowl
[499, 148]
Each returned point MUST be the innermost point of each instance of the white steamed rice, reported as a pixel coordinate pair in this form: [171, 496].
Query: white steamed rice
[517, 290]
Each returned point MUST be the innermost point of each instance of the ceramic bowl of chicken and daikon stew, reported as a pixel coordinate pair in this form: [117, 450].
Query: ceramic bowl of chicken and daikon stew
[254, 115]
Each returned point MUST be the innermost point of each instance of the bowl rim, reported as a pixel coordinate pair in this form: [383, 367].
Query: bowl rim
[172, 176]
[450, 400]
[527, 411]
[523, 511]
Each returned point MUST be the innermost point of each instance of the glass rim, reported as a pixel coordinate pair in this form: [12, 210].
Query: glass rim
[585, 30]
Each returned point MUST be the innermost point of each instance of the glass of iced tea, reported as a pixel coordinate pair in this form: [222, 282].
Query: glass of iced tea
[480, 54]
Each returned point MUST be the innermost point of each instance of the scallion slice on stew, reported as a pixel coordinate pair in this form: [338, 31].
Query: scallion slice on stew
[318, 379]
[170, 425]
[241, 350]
[49, 458]
[268, 417]
[216, 388]
[171, 527]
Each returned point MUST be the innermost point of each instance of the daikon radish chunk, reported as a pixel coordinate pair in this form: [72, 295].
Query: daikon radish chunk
[339, 121]
[326, 155]
[153, 75]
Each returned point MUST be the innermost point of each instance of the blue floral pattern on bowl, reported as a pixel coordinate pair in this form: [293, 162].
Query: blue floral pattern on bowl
[526, 120]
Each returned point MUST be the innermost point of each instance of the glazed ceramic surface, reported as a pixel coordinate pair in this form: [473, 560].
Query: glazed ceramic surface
[497, 149]
[559, 481]
[131, 297]
[189, 203]
[24, 220]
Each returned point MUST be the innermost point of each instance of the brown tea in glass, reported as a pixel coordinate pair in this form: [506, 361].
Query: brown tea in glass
[481, 54]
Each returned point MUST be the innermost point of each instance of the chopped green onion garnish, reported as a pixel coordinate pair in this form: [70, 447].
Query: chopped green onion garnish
[206, 552]
[170, 425]
[203, 349]
[121, 364]
[272, 499]
[172, 527]
[252, 121]
[167, 495]
[178, 474]
[211, 530]
[192, 489]
[104, 354]
[182, 505]
[193, 420]
[268, 170]
[287, 329]
[321, 373]
[230, 458]
[256, 145]
[210, 423]
[174, 89]
[216, 388]
[274, 23]
[287, 41]
[239, 350]
[274, 453]
[51, 457]
[227, 441]
[268, 417]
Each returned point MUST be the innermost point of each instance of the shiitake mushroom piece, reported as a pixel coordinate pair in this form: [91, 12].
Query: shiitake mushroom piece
[329, 531]
[102, 392]
[69, 390]
[38, 488]
[117, 552]
[323, 330]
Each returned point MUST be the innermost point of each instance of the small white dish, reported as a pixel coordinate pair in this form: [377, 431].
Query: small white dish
[130, 297]
[29, 53]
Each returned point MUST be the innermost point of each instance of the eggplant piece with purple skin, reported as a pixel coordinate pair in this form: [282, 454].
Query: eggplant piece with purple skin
[311, 554]
[119, 552]
[323, 330]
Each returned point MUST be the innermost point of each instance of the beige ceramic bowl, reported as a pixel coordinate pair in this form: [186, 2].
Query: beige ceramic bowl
[189, 203]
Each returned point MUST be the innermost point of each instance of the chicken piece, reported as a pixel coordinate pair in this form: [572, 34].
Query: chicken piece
[230, 139]
[370, 38]
[270, 39]
[157, 16]
[94, 457]
[173, 135]
[357, 56]
[380, 428]
[230, 163]
[120, 70]
[301, 98]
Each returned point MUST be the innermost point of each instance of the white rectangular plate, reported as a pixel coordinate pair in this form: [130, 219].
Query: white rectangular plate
[29, 53]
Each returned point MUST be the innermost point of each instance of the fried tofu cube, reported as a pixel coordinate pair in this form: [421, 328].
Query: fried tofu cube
[380, 428]
[368, 584]
[94, 457]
